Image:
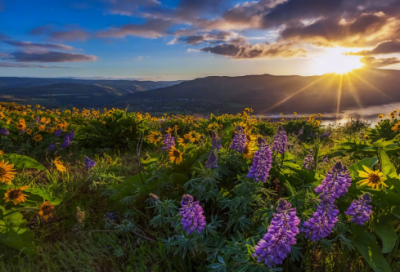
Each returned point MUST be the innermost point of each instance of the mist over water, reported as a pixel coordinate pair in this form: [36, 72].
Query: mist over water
[369, 114]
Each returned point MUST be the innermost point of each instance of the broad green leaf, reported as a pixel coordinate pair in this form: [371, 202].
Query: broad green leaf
[385, 230]
[41, 194]
[388, 168]
[396, 211]
[178, 178]
[365, 244]
[22, 162]
[19, 242]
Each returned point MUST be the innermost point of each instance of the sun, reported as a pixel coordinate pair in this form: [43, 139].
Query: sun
[333, 60]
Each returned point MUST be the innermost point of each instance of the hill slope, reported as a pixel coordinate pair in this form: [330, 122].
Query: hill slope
[267, 93]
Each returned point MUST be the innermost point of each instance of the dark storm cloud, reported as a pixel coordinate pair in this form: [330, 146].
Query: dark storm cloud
[50, 56]
[153, 28]
[388, 47]
[251, 51]
[26, 65]
[38, 46]
[371, 62]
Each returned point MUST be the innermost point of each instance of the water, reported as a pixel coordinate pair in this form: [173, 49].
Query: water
[369, 114]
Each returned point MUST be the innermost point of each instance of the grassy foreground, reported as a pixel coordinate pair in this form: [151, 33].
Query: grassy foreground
[107, 191]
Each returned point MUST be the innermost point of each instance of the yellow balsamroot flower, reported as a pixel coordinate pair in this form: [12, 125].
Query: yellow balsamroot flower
[155, 137]
[396, 127]
[21, 121]
[59, 165]
[175, 155]
[38, 106]
[52, 130]
[7, 172]
[29, 131]
[43, 120]
[42, 127]
[59, 126]
[393, 115]
[295, 113]
[8, 121]
[21, 126]
[2, 115]
[248, 152]
[37, 138]
[16, 195]
[46, 210]
[373, 178]
[1, 153]
[185, 140]
[381, 116]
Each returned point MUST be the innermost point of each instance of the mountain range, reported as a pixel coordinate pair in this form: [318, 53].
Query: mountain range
[264, 93]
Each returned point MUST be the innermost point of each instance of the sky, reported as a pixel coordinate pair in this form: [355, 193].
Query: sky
[187, 39]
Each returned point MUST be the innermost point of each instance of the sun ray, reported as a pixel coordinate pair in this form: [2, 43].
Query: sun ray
[369, 84]
[296, 93]
[339, 96]
[353, 91]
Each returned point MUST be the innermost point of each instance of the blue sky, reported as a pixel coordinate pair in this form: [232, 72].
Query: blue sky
[185, 39]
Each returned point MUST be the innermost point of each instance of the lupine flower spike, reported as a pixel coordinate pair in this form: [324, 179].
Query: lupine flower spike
[275, 245]
[262, 162]
[280, 141]
[309, 162]
[168, 141]
[192, 215]
[89, 163]
[212, 161]
[359, 210]
[239, 141]
[215, 141]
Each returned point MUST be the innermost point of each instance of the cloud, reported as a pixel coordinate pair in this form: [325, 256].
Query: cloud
[222, 36]
[153, 28]
[372, 62]
[129, 7]
[4, 55]
[50, 56]
[38, 46]
[251, 51]
[4, 37]
[388, 47]
[70, 33]
[25, 65]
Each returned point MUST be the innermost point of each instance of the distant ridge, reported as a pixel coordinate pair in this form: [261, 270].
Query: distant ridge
[269, 93]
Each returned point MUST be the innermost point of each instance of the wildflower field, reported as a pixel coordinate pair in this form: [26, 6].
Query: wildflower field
[113, 190]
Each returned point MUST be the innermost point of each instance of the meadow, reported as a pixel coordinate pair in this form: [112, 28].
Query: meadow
[112, 190]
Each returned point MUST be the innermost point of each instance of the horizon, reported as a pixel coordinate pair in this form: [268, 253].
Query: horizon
[171, 40]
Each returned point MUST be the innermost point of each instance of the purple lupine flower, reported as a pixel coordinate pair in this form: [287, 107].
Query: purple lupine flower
[37, 119]
[280, 141]
[359, 210]
[168, 141]
[89, 163]
[215, 141]
[58, 133]
[66, 142]
[262, 162]
[4, 131]
[71, 135]
[51, 147]
[336, 183]
[192, 215]
[212, 161]
[301, 131]
[325, 159]
[309, 162]
[275, 245]
[22, 130]
[321, 223]
[239, 141]
[326, 134]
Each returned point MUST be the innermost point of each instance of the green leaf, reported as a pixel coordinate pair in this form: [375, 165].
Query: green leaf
[40, 194]
[22, 162]
[179, 178]
[385, 230]
[365, 244]
[11, 239]
[396, 211]
[387, 166]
